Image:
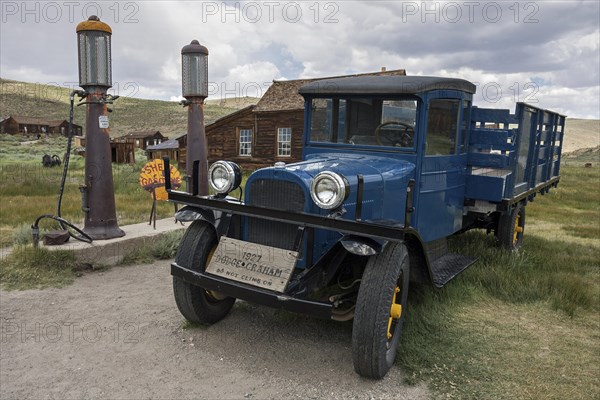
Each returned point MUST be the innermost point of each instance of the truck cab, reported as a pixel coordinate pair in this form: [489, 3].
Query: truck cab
[392, 166]
[418, 124]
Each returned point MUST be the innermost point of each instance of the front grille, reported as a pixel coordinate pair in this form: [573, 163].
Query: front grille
[280, 195]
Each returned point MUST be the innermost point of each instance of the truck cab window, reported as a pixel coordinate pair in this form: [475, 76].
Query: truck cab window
[398, 120]
[442, 127]
[328, 120]
[364, 121]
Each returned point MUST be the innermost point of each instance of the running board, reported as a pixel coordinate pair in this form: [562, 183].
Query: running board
[446, 267]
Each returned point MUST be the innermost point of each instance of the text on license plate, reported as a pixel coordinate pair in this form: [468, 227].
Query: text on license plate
[255, 264]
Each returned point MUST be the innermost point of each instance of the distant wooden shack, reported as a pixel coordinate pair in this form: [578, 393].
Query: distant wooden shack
[168, 148]
[122, 151]
[62, 127]
[270, 131]
[142, 140]
[174, 148]
[16, 124]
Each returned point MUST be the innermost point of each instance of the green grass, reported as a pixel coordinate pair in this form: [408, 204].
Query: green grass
[28, 189]
[162, 248]
[28, 267]
[517, 325]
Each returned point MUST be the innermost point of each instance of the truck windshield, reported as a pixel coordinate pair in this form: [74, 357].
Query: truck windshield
[364, 121]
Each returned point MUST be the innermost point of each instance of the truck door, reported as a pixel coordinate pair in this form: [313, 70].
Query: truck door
[443, 169]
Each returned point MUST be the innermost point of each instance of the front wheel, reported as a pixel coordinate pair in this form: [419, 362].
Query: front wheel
[380, 311]
[195, 252]
[511, 228]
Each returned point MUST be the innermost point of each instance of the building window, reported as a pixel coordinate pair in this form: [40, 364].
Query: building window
[284, 142]
[245, 142]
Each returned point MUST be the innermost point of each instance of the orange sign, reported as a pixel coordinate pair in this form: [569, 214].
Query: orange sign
[152, 178]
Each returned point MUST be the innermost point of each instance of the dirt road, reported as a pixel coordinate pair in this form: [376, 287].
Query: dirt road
[118, 334]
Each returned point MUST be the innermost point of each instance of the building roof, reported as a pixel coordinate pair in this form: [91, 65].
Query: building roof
[232, 115]
[28, 120]
[171, 144]
[57, 122]
[20, 119]
[181, 135]
[385, 85]
[141, 135]
[283, 95]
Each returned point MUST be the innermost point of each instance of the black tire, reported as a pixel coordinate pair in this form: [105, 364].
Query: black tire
[511, 228]
[373, 353]
[195, 303]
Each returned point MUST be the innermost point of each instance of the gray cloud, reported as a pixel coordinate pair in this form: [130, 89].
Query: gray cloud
[556, 43]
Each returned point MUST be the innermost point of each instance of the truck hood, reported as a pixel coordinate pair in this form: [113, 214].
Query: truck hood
[385, 181]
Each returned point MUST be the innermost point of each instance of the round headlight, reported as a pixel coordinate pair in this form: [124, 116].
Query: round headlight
[329, 190]
[224, 176]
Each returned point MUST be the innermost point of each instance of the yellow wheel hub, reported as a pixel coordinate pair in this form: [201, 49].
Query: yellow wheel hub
[395, 312]
[518, 229]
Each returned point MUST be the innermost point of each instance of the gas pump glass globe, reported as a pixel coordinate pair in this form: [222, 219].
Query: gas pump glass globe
[194, 62]
[94, 47]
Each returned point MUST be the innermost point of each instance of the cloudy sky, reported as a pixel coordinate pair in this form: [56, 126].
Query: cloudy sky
[542, 52]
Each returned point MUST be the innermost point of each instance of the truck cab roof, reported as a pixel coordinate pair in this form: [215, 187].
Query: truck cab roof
[383, 85]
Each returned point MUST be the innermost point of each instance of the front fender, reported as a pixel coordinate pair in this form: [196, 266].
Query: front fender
[190, 214]
[362, 246]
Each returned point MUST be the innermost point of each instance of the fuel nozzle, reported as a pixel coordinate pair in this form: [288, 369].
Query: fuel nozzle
[84, 198]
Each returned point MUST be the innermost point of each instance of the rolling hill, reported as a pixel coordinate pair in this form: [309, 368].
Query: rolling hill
[133, 114]
[129, 114]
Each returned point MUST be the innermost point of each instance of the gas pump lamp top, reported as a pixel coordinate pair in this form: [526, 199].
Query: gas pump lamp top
[194, 62]
[95, 64]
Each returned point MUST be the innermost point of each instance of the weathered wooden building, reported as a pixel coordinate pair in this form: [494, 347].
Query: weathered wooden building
[143, 139]
[122, 151]
[270, 131]
[61, 127]
[168, 148]
[15, 124]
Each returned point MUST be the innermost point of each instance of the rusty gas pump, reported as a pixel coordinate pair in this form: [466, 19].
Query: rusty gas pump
[95, 77]
[194, 61]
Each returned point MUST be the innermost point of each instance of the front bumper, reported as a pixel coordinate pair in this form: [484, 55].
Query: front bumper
[251, 293]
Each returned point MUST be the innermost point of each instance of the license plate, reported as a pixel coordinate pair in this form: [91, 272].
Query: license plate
[254, 264]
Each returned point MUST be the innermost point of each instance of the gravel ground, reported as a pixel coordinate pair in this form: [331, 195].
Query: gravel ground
[118, 334]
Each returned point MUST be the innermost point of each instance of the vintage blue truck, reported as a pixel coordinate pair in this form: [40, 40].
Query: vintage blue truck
[393, 165]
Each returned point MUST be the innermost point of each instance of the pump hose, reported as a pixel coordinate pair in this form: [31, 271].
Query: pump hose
[64, 224]
[66, 160]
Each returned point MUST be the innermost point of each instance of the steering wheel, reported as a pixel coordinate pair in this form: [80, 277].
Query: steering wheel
[402, 137]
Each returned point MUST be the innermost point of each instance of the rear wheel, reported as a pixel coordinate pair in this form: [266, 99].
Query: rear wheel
[195, 251]
[380, 311]
[511, 227]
